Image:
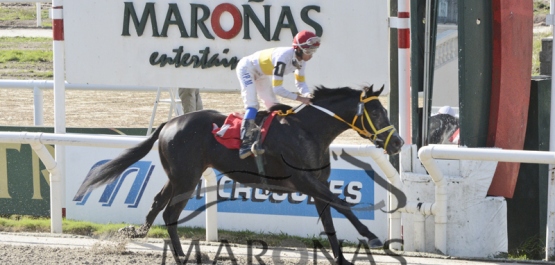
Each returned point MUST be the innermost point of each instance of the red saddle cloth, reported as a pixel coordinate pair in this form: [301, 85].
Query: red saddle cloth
[230, 133]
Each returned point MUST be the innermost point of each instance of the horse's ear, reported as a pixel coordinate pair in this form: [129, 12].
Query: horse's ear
[368, 91]
[381, 90]
[374, 93]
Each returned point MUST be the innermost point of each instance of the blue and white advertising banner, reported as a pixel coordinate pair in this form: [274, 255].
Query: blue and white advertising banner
[128, 199]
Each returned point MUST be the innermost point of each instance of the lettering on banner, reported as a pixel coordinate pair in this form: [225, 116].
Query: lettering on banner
[198, 27]
[36, 170]
[229, 189]
[362, 252]
[143, 170]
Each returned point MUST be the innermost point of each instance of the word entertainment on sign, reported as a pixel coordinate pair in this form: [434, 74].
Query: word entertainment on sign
[186, 59]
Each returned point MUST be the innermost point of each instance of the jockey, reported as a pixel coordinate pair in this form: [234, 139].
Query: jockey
[262, 73]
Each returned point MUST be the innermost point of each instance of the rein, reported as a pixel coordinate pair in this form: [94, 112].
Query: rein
[363, 131]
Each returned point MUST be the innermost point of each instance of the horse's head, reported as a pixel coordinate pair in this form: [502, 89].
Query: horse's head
[363, 112]
[374, 122]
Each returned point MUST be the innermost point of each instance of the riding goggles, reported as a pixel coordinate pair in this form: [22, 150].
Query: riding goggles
[310, 46]
[309, 51]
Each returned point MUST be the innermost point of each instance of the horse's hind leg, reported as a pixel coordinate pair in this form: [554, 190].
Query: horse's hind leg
[160, 201]
[325, 215]
[180, 197]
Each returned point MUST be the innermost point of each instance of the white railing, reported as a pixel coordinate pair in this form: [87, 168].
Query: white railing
[446, 47]
[39, 7]
[428, 156]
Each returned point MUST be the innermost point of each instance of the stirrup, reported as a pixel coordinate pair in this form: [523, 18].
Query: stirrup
[256, 150]
[244, 153]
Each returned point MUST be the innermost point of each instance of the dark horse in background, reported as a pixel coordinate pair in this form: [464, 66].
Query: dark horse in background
[442, 127]
[297, 157]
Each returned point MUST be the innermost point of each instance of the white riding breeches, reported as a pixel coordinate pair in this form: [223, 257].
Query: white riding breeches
[254, 85]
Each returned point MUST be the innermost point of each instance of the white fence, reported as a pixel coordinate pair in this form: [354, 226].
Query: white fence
[428, 156]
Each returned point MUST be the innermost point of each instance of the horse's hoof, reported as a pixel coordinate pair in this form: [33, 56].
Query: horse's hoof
[375, 243]
[128, 231]
[342, 261]
[142, 231]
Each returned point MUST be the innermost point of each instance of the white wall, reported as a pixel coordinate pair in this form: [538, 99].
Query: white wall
[354, 48]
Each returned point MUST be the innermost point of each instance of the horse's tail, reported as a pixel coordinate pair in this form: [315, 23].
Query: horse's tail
[111, 170]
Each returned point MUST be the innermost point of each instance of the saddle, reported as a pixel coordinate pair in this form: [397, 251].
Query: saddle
[229, 134]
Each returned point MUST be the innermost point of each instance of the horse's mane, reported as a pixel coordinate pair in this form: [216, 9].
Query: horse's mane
[279, 106]
[322, 92]
[264, 113]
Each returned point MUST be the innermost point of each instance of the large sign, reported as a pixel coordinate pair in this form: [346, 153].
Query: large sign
[198, 43]
[128, 199]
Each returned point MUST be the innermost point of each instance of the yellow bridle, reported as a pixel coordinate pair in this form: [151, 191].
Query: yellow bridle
[362, 131]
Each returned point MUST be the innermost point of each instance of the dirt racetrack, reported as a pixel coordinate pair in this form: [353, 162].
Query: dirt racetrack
[33, 248]
[107, 253]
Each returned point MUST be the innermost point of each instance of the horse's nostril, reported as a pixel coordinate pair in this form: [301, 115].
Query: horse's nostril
[395, 145]
[398, 143]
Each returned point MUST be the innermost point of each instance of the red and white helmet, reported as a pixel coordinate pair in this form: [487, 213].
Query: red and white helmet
[307, 42]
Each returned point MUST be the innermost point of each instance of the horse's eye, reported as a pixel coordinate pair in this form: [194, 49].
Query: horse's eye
[378, 112]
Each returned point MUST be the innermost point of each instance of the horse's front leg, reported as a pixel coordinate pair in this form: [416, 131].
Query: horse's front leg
[325, 215]
[321, 192]
[345, 209]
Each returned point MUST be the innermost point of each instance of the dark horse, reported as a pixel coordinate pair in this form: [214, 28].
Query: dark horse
[442, 128]
[297, 157]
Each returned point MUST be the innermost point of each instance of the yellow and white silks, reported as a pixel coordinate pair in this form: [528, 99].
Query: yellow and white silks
[261, 75]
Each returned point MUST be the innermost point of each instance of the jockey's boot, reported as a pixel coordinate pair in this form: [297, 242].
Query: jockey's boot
[248, 134]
